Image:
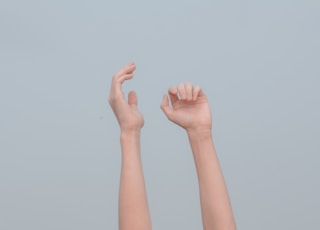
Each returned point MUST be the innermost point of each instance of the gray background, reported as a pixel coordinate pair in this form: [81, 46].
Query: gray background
[257, 61]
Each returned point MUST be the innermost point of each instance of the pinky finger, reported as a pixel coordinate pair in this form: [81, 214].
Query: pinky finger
[195, 92]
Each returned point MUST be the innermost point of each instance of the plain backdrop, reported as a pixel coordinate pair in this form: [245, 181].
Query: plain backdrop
[257, 61]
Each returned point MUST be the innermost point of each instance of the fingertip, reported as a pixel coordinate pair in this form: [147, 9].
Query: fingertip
[132, 92]
[195, 93]
[132, 98]
[165, 106]
[173, 90]
[189, 89]
[182, 91]
[201, 92]
[130, 64]
[127, 69]
[131, 68]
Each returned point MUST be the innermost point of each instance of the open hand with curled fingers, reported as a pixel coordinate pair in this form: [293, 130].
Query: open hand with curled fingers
[189, 107]
[126, 112]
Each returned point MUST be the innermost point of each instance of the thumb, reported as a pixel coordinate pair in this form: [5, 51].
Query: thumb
[165, 107]
[132, 98]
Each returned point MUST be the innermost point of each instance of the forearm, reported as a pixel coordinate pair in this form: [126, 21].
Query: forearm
[133, 205]
[215, 204]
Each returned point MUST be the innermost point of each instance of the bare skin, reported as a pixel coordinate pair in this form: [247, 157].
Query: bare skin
[190, 110]
[133, 206]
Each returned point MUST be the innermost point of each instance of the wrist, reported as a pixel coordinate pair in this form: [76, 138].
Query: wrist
[130, 144]
[199, 136]
[201, 143]
[130, 133]
[199, 132]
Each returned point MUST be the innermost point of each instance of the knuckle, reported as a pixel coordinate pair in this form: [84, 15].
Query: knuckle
[114, 77]
[169, 116]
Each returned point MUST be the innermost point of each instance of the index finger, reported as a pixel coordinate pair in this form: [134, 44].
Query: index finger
[127, 69]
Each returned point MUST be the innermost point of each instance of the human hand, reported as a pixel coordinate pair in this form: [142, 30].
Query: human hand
[127, 113]
[189, 108]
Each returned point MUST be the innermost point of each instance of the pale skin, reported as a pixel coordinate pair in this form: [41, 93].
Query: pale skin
[187, 106]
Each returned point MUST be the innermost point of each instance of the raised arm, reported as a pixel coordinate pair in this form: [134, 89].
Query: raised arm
[190, 110]
[133, 205]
